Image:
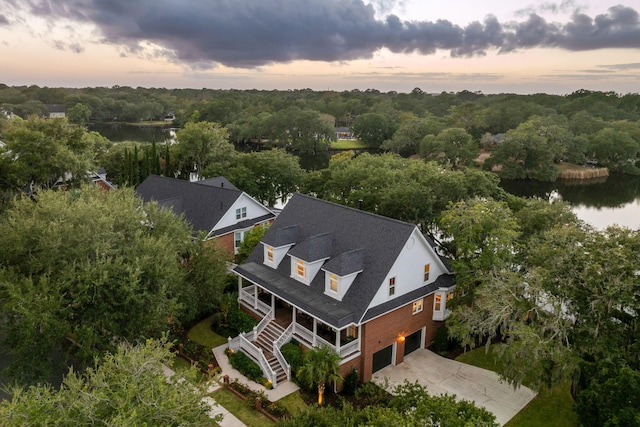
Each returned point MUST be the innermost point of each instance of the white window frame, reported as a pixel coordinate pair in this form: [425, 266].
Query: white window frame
[241, 212]
[392, 286]
[418, 306]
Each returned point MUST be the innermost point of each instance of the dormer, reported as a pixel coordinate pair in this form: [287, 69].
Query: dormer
[308, 256]
[341, 271]
[277, 243]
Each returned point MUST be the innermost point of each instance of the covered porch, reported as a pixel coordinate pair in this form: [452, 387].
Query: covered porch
[304, 327]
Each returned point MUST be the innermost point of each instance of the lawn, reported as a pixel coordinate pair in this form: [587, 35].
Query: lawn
[241, 409]
[202, 334]
[347, 144]
[293, 403]
[553, 408]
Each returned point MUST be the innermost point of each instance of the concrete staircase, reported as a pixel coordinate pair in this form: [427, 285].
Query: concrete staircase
[265, 341]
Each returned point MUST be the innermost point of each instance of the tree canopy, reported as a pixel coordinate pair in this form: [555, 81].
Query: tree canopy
[128, 387]
[84, 269]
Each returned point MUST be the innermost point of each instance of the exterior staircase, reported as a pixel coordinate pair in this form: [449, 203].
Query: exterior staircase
[265, 341]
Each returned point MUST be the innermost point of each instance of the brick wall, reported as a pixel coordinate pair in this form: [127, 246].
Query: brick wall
[226, 241]
[387, 329]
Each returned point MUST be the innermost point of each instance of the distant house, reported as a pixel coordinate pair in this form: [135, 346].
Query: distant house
[213, 206]
[56, 111]
[99, 179]
[344, 134]
[371, 288]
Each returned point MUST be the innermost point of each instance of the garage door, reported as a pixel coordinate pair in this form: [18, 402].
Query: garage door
[382, 358]
[412, 342]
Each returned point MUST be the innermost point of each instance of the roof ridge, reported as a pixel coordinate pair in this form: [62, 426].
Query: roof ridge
[356, 210]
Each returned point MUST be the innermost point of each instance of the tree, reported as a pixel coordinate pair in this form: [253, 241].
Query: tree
[79, 114]
[128, 387]
[251, 239]
[373, 128]
[406, 140]
[201, 145]
[321, 366]
[615, 149]
[299, 130]
[44, 151]
[91, 268]
[268, 175]
[484, 234]
[452, 146]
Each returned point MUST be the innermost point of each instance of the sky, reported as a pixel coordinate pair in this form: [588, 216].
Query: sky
[492, 46]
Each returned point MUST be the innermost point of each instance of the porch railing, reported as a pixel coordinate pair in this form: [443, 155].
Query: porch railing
[263, 324]
[256, 354]
[248, 298]
[284, 338]
[350, 348]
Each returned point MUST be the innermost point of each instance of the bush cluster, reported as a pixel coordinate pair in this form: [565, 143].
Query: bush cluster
[247, 367]
[293, 355]
[239, 321]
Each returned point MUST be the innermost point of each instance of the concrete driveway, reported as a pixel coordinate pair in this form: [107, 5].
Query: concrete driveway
[441, 375]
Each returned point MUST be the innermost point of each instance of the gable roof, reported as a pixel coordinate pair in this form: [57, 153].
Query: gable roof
[203, 204]
[354, 241]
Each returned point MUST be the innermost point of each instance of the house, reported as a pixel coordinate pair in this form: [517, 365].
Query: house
[56, 110]
[343, 133]
[213, 206]
[370, 287]
[99, 179]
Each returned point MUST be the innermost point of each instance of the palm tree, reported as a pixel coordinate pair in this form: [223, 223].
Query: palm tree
[321, 366]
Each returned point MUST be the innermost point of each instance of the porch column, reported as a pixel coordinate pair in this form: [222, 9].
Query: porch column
[273, 306]
[255, 297]
[315, 331]
[337, 341]
[294, 314]
[359, 337]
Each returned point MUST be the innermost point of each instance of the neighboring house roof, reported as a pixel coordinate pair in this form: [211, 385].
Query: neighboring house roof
[202, 203]
[56, 108]
[353, 240]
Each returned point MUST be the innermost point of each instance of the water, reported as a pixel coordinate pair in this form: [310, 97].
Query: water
[601, 203]
[117, 132]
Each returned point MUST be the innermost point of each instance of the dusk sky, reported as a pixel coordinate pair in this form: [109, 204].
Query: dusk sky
[491, 46]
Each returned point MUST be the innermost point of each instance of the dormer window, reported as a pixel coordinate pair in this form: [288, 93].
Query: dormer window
[241, 212]
[270, 254]
[301, 270]
[333, 282]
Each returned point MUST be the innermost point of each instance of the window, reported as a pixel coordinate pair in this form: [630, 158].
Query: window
[270, 253]
[438, 302]
[417, 306]
[449, 296]
[238, 237]
[241, 213]
[301, 270]
[392, 286]
[333, 282]
[427, 268]
[352, 332]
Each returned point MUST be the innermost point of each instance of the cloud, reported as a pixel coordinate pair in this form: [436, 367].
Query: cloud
[630, 66]
[249, 33]
[4, 20]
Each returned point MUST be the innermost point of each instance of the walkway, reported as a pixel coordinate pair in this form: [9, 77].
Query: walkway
[441, 375]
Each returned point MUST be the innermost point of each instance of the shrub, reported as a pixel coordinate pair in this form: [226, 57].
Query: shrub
[350, 382]
[441, 341]
[246, 366]
[294, 355]
[239, 321]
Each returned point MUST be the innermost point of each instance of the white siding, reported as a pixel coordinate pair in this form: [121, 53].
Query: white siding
[409, 269]
[254, 210]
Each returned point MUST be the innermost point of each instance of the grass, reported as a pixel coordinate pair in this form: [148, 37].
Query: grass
[240, 409]
[182, 367]
[553, 408]
[202, 334]
[294, 403]
[348, 145]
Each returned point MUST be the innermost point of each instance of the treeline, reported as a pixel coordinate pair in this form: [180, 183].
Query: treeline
[526, 134]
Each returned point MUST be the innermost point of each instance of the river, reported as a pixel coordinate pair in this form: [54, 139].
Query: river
[603, 202]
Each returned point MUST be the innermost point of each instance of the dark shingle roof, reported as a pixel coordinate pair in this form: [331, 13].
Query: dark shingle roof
[314, 248]
[203, 205]
[218, 181]
[359, 241]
